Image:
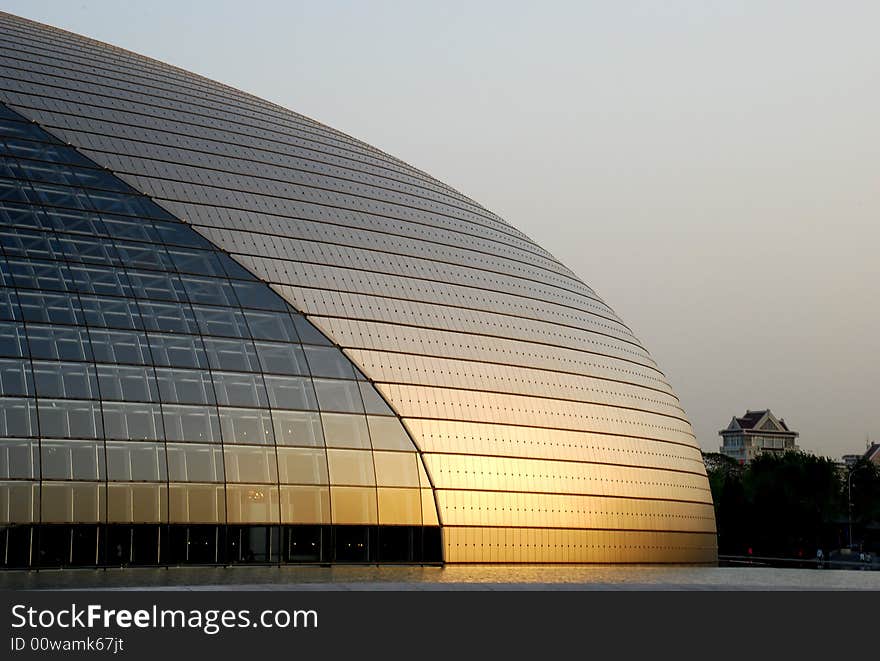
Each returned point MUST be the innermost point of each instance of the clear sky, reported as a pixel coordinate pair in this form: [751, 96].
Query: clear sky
[712, 169]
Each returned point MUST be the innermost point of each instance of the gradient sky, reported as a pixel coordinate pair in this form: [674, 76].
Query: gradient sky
[712, 169]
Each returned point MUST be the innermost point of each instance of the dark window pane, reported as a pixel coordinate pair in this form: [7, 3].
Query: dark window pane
[281, 358]
[308, 334]
[70, 419]
[227, 322]
[178, 350]
[132, 384]
[255, 294]
[66, 380]
[15, 377]
[209, 291]
[185, 386]
[193, 424]
[168, 317]
[231, 354]
[59, 343]
[199, 262]
[120, 347]
[341, 396]
[161, 286]
[18, 417]
[246, 426]
[180, 234]
[290, 392]
[137, 422]
[105, 312]
[265, 325]
[13, 341]
[240, 389]
[328, 361]
[50, 308]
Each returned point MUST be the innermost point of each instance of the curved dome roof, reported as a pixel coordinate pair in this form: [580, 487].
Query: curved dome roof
[547, 430]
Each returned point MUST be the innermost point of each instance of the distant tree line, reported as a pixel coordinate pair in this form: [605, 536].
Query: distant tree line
[790, 505]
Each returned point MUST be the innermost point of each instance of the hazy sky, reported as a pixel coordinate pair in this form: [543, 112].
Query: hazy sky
[712, 169]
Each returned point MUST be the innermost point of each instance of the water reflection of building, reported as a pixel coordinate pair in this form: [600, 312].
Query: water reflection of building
[757, 432]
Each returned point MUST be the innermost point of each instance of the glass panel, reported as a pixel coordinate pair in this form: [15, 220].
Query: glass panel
[196, 503]
[388, 434]
[15, 377]
[105, 312]
[308, 333]
[195, 424]
[18, 417]
[66, 380]
[302, 466]
[137, 422]
[128, 347]
[266, 325]
[231, 354]
[70, 419]
[195, 463]
[136, 503]
[396, 469]
[305, 505]
[281, 358]
[19, 459]
[258, 295]
[58, 343]
[297, 428]
[135, 462]
[12, 340]
[341, 396]
[373, 402]
[252, 503]
[246, 426]
[250, 464]
[180, 386]
[328, 361]
[354, 505]
[351, 467]
[168, 317]
[72, 460]
[221, 321]
[344, 430]
[400, 507]
[290, 392]
[133, 384]
[73, 503]
[240, 389]
[178, 350]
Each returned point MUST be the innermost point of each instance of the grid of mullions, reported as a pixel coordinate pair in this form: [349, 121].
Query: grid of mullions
[145, 376]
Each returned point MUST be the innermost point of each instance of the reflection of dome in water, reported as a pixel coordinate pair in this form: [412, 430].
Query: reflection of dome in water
[230, 333]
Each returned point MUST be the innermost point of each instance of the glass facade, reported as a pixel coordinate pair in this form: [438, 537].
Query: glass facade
[153, 389]
[314, 333]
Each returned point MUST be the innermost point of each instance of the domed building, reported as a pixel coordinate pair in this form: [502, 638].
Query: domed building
[230, 334]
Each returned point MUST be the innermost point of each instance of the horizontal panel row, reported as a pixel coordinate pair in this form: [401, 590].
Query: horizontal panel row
[391, 367]
[474, 508]
[470, 472]
[83, 502]
[576, 546]
[531, 442]
[355, 334]
[468, 405]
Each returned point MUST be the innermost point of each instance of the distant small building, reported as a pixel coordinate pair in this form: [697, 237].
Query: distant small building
[757, 432]
[872, 454]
